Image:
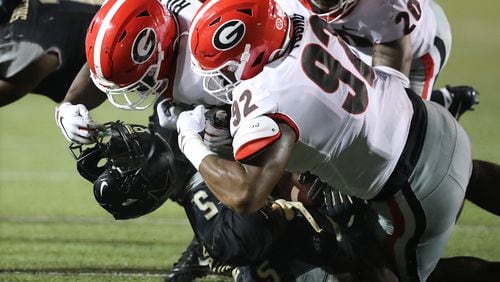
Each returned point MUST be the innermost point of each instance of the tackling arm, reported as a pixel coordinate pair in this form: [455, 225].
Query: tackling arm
[72, 115]
[244, 187]
[83, 91]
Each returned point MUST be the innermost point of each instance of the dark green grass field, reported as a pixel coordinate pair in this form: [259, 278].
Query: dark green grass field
[52, 230]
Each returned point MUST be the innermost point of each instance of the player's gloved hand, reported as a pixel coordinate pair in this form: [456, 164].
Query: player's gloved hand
[168, 113]
[74, 122]
[340, 207]
[189, 126]
[217, 128]
[291, 210]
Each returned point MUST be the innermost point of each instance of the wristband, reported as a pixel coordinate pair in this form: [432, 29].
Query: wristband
[195, 150]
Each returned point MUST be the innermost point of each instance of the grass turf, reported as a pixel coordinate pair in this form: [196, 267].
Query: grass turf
[52, 230]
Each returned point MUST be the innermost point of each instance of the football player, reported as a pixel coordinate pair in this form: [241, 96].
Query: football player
[137, 51]
[364, 23]
[358, 21]
[42, 46]
[303, 100]
[70, 116]
[134, 171]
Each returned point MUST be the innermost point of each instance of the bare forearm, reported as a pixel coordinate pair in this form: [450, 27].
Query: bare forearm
[395, 54]
[83, 91]
[245, 187]
[233, 185]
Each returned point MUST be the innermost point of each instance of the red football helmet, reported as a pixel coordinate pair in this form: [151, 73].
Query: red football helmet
[232, 40]
[129, 47]
[330, 10]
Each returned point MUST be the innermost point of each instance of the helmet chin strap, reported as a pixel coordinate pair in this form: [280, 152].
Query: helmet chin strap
[161, 56]
[245, 57]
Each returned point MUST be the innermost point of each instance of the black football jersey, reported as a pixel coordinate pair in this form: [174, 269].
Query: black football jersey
[39, 26]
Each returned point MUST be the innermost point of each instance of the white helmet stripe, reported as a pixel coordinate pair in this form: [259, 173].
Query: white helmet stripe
[100, 36]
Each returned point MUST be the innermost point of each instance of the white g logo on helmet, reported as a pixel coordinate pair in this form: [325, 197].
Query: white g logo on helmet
[228, 35]
[144, 45]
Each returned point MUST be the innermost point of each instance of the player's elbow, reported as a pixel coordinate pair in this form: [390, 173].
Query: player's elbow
[245, 206]
[246, 202]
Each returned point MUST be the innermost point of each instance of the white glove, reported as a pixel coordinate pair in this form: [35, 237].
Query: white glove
[217, 128]
[168, 114]
[189, 126]
[74, 120]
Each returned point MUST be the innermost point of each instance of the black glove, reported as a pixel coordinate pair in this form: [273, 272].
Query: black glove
[340, 207]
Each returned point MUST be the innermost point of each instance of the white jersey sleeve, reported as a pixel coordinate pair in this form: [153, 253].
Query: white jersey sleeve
[186, 85]
[381, 21]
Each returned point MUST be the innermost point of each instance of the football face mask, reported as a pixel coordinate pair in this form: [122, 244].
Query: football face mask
[131, 169]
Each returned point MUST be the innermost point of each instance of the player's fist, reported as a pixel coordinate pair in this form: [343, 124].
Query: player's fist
[190, 124]
[168, 114]
[217, 128]
[74, 120]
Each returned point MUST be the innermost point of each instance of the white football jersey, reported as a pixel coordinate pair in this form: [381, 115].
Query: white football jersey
[187, 85]
[351, 120]
[382, 21]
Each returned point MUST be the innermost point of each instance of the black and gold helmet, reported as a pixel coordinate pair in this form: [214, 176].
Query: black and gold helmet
[131, 168]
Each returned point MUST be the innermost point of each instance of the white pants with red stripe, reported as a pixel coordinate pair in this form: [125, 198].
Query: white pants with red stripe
[425, 69]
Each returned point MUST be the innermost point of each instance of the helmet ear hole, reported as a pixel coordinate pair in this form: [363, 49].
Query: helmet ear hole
[91, 162]
[122, 36]
[258, 60]
[246, 11]
[144, 13]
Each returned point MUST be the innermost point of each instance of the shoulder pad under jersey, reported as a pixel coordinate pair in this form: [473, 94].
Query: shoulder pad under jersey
[253, 135]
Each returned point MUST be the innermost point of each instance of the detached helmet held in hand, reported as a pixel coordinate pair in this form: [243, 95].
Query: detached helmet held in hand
[138, 174]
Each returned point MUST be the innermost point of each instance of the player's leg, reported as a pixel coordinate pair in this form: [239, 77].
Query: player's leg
[27, 55]
[424, 71]
[192, 264]
[465, 269]
[457, 99]
[13, 88]
[484, 186]
[431, 191]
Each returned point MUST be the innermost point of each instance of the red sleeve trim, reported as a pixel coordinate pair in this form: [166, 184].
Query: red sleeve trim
[284, 118]
[253, 147]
